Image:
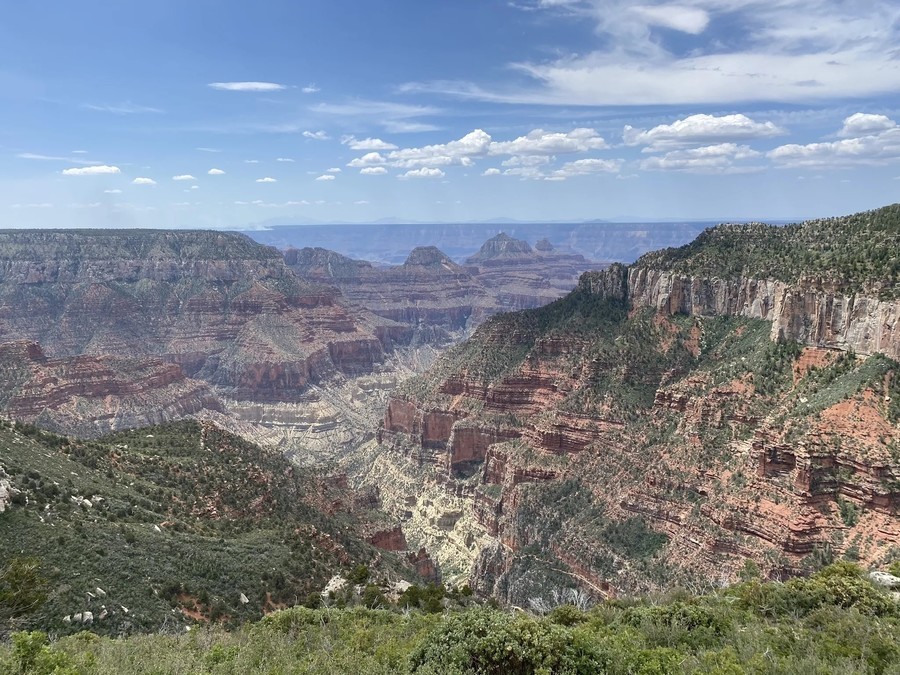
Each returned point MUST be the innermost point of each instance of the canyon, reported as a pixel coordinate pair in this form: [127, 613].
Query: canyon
[659, 426]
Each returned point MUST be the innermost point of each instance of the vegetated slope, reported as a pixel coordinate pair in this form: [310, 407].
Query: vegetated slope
[167, 525]
[440, 298]
[606, 444]
[225, 309]
[859, 253]
[834, 622]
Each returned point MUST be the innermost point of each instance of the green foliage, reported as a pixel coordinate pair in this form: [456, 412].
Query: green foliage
[833, 622]
[494, 643]
[849, 512]
[858, 251]
[181, 517]
[23, 589]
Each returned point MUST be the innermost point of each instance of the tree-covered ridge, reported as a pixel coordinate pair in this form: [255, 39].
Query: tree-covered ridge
[860, 252]
[836, 621]
[173, 523]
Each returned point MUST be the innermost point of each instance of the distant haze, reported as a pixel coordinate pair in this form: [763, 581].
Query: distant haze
[391, 243]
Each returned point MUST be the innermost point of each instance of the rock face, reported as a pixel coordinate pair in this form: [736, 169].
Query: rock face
[813, 311]
[520, 277]
[224, 309]
[92, 395]
[655, 427]
[439, 298]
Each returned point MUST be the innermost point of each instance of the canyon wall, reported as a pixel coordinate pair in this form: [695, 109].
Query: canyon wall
[813, 311]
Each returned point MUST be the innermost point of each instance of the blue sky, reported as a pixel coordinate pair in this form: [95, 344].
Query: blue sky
[213, 113]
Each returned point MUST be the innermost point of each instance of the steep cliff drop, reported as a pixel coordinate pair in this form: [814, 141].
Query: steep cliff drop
[666, 422]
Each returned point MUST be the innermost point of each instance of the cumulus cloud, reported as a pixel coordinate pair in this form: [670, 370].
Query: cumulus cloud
[251, 161]
[283, 159]
[91, 170]
[247, 86]
[585, 167]
[326, 176]
[719, 158]
[424, 172]
[216, 172]
[860, 124]
[316, 135]
[333, 169]
[369, 159]
[536, 147]
[700, 129]
[540, 142]
[878, 147]
[491, 172]
[311, 88]
[373, 171]
[114, 191]
[266, 179]
[141, 180]
[184, 176]
[367, 144]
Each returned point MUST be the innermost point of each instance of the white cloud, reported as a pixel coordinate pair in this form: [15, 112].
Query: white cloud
[326, 176]
[53, 158]
[140, 180]
[585, 167]
[878, 148]
[424, 172]
[266, 179]
[195, 187]
[41, 205]
[719, 158]
[787, 51]
[333, 169]
[283, 159]
[369, 159]
[91, 170]
[114, 191]
[860, 124]
[79, 152]
[184, 176]
[208, 149]
[126, 108]
[361, 202]
[491, 172]
[540, 142]
[373, 171]
[247, 86]
[316, 135]
[691, 20]
[216, 172]
[251, 161]
[311, 88]
[367, 144]
[699, 129]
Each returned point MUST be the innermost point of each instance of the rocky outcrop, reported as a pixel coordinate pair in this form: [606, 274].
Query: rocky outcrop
[92, 395]
[812, 311]
[439, 298]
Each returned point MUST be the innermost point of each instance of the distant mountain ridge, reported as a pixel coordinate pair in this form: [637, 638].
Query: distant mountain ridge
[390, 243]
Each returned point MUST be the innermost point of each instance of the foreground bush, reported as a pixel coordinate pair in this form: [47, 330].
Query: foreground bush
[833, 622]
